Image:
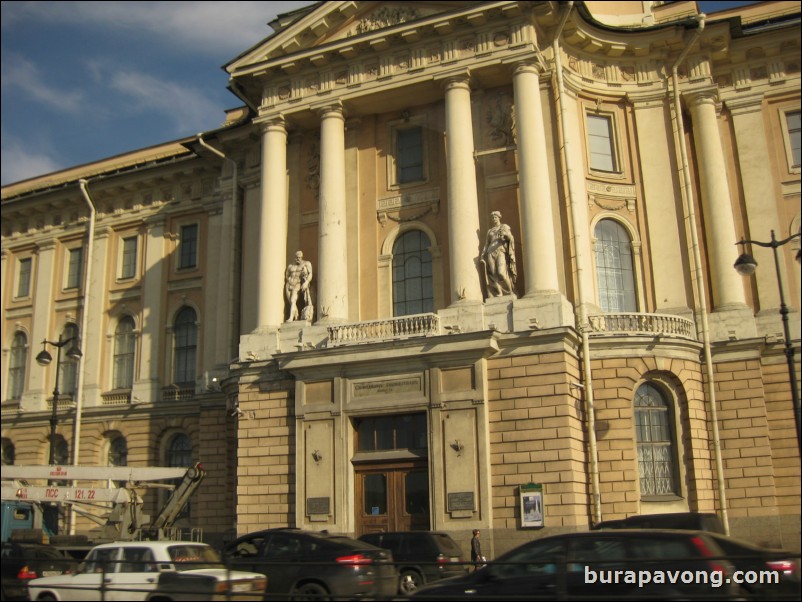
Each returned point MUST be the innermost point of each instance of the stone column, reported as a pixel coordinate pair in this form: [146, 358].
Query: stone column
[537, 222]
[152, 331]
[44, 287]
[463, 214]
[273, 212]
[728, 289]
[332, 272]
[661, 188]
[760, 196]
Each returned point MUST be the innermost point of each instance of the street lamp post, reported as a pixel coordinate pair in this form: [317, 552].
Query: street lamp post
[745, 265]
[43, 359]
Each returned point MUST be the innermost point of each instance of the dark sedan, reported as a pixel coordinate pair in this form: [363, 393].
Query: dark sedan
[763, 573]
[22, 562]
[307, 565]
[613, 564]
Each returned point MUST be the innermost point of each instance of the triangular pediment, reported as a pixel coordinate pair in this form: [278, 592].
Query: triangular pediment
[327, 22]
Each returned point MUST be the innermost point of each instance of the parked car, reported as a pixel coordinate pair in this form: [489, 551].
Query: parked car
[133, 570]
[611, 564]
[748, 557]
[309, 565]
[420, 556]
[22, 562]
[693, 521]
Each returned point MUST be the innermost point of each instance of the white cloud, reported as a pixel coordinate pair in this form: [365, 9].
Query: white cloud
[19, 163]
[184, 105]
[201, 27]
[19, 72]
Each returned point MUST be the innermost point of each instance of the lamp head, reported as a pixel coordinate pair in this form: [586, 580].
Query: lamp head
[74, 352]
[745, 265]
[44, 358]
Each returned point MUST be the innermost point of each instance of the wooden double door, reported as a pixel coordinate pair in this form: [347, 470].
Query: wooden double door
[392, 496]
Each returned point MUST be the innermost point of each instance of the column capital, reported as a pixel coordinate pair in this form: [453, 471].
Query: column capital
[330, 109]
[697, 98]
[457, 81]
[273, 123]
[529, 66]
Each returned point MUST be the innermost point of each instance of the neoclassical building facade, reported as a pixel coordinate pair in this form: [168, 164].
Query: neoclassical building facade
[603, 164]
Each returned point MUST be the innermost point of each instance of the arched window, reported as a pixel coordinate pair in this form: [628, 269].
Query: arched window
[61, 451]
[124, 353]
[614, 267]
[186, 346]
[16, 365]
[69, 366]
[179, 455]
[412, 274]
[656, 442]
[9, 452]
[118, 451]
[179, 451]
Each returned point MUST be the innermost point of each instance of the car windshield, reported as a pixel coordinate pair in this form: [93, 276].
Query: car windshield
[189, 557]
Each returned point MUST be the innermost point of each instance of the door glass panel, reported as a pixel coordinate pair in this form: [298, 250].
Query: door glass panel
[375, 494]
[416, 492]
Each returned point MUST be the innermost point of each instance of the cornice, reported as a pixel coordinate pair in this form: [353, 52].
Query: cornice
[369, 67]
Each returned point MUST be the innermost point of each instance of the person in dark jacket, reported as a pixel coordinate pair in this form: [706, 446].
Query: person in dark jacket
[477, 557]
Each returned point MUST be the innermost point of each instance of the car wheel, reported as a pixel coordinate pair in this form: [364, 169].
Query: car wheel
[310, 591]
[46, 598]
[410, 581]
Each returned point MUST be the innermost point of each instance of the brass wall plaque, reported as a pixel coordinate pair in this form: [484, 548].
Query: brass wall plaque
[460, 501]
[318, 505]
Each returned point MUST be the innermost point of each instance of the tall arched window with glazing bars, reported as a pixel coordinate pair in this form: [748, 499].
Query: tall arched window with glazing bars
[124, 353]
[186, 346]
[412, 274]
[614, 268]
[656, 442]
[17, 361]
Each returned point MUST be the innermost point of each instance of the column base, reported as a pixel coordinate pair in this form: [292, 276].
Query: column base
[498, 313]
[462, 316]
[259, 345]
[548, 309]
[769, 323]
[732, 322]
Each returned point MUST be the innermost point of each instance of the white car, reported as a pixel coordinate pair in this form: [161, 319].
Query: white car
[150, 570]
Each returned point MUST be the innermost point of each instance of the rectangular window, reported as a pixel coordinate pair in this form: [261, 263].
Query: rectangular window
[74, 267]
[409, 155]
[24, 279]
[188, 247]
[601, 149]
[128, 265]
[792, 122]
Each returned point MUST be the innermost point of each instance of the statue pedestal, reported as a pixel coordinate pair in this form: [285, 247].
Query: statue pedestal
[542, 310]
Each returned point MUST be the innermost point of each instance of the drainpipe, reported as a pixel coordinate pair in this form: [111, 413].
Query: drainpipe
[232, 335]
[79, 386]
[581, 310]
[687, 198]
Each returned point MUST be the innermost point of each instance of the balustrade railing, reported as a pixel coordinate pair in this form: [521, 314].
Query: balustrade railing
[637, 323]
[116, 398]
[404, 327]
[176, 393]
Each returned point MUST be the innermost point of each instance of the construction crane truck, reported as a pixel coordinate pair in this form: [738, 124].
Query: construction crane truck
[116, 507]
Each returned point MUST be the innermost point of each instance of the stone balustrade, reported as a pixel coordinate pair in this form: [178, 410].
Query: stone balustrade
[404, 327]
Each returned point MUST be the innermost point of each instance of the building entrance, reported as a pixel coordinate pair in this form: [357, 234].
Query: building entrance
[392, 496]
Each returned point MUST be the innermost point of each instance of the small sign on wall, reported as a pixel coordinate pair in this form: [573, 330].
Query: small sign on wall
[532, 505]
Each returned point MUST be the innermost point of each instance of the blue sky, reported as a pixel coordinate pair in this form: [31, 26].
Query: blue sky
[86, 80]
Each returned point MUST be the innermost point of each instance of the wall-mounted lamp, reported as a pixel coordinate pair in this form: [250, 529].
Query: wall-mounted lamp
[317, 456]
[457, 446]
